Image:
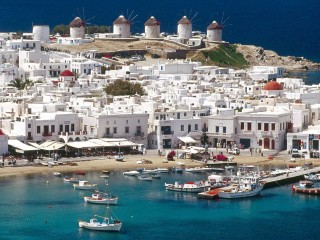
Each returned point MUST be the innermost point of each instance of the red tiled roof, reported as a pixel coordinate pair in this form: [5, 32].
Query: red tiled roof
[273, 85]
[66, 73]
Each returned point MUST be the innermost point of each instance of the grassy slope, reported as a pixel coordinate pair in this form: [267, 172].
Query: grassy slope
[223, 56]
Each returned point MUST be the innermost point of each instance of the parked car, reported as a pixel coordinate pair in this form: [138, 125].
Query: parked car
[295, 153]
[234, 151]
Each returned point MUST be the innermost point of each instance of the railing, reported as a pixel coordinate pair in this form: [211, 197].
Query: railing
[167, 132]
[139, 134]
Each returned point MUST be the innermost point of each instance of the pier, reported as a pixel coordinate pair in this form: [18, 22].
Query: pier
[288, 178]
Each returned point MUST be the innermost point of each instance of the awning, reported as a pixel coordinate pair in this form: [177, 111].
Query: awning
[102, 143]
[84, 144]
[20, 145]
[187, 139]
[48, 145]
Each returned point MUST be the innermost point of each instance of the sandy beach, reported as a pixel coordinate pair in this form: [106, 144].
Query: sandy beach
[130, 163]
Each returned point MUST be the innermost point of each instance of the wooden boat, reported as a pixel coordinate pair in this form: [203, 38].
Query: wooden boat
[306, 187]
[210, 194]
[84, 185]
[192, 187]
[108, 224]
[101, 198]
[247, 187]
[79, 172]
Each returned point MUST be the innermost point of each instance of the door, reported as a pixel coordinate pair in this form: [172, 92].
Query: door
[266, 143]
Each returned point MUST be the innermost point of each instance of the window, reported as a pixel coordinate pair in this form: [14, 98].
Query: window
[259, 126]
[273, 126]
[185, 114]
[217, 129]
[127, 121]
[249, 126]
[115, 130]
[182, 127]
[60, 128]
[242, 125]
[29, 125]
[53, 128]
[107, 131]
[260, 142]
[72, 127]
[126, 130]
[38, 129]
[266, 126]
[196, 127]
[224, 129]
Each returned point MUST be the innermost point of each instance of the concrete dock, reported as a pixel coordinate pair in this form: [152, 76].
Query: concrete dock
[290, 178]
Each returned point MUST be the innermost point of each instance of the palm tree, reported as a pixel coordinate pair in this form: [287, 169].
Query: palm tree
[20, 84]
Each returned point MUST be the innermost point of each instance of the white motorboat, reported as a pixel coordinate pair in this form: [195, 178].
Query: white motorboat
[70, 179]
[84, 185]
[101, 198]
[108, 224]
[131, 173]
[193, 187]
[162, 170]
[143, 177]
[312, 177]
[57, 174]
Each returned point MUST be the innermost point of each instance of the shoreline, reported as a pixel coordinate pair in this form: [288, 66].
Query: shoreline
[130, 163]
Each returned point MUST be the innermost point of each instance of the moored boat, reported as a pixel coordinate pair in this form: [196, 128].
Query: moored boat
[144, 177]
[101, 198]
[108, 224]
[312, 177]
[57, 174]
[192, 187]
[247, 187]
[84, 185]
[210, 194]
[71, 179]
[131, 173]
[306, 187]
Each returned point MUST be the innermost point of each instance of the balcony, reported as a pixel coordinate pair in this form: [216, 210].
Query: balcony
[139, 134]
[167, 132]
[47, 134]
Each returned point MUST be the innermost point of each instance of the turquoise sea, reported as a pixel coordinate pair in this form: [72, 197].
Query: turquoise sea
[44, 207]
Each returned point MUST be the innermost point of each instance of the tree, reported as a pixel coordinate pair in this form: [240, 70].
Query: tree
[61, 29]
[121, 87]
[20, 84]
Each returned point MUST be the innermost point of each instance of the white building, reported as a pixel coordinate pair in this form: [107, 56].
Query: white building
[214, 32]
[3, 143]
[23, 44]
[265, 72]
[122, 26]
[152, 28]
[184, 28]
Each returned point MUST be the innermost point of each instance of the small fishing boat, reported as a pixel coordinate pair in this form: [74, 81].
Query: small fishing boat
[306, 187]
[79, 172]
[119, 157]
[162, 170]
[155, 175]
[71, 179]
[312, 177]
[177, 169]
[101, 198]
[192, 187]
[108, 224]
[104, 176]
[247, 187]
[84, 185]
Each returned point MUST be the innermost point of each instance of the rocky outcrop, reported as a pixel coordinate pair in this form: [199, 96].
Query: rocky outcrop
[259, 56]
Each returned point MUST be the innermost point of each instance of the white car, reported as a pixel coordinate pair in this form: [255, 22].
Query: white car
[234, 151]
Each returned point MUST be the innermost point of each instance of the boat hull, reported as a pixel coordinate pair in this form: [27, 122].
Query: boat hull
[246, 194]
[111, 201]
[185, 189]
[113, 227]
[211, 194]
[309, 191]
[91, 187]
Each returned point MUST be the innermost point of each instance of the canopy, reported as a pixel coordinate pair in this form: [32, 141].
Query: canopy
[84, 144]
[20, 145]
[48, 145]
[187, 139]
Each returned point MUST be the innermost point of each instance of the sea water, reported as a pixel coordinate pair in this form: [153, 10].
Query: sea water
[44, 207]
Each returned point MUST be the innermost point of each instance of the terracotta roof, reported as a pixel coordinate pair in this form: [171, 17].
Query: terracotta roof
[184, 20]
[214, 25]
[77, 22]
[121, 20]
[66, 73]
[273, 85]
[152, 21]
